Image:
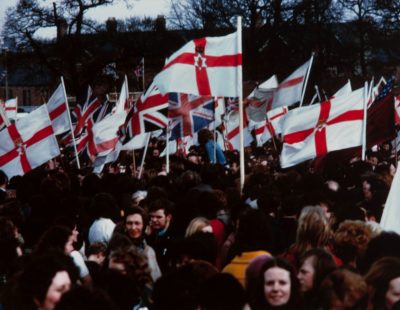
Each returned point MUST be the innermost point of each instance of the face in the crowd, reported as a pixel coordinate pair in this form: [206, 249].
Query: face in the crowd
[60, 284]
[69, 246]
[367, 191]
[75, 233]
[277, 286]
[158, 219]
[306, 274]
[393, 293]
[134, 225]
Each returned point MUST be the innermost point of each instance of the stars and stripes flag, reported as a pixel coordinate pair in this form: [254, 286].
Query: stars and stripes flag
[189, 113]
[384, 93]
[204, 67]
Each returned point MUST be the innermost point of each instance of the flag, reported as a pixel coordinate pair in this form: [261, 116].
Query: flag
[290, 90]
[111, 70]
[232, 131]
[4, 122]
[28, 143]
[271, 127]
[256, 102]
[189, 113]
[313, 131]
[148, 114]
[83, 113]
[397, 110]
[105, 110]
[11, 108]
[204, 67]
[58, 111]
[344, 90]
[386, 91]
[106, 131]
[390, 220]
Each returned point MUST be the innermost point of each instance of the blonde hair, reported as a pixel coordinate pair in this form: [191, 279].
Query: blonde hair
[195, 225]
[313, 229]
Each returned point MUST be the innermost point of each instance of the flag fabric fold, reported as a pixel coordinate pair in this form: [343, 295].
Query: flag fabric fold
[391, 213]
[58, 111]
[28, 143]
[290, 90]
[11, 108]
[203, 67]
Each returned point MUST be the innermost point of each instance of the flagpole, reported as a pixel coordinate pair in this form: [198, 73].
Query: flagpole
[3, 115]
[364, 129]
[144, 155]
[167, 147]
[307, 76]
[70, 124]
[317, 92]
[143, 82]
[240, 95]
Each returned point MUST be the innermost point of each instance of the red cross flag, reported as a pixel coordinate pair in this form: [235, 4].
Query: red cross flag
[28, 143]
[11, 108]
[271, 126]
[58, 111]
[204, 67]
[291, 90]
[315, 130]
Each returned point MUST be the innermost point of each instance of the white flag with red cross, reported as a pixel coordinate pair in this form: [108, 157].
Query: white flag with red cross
[11, 108]
[271, 127]
[58, 110]
[291, 89]
[313, 131]
[397, 110]
[204, 67]
[232, 131]
[28, 143]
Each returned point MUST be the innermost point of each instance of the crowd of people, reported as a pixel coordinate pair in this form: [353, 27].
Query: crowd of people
[301, 238]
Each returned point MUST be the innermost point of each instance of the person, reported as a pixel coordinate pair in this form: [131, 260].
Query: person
[314, 266]
[313, 231]
[105, 210]
[277, 286]
[253, 239]
[159, 230]
[198, 224]
[213, 150]
[41, 283]
[134, 226]
[343, 289]
[130, 263]
[383, 279]
[350, 242]
[61, 238]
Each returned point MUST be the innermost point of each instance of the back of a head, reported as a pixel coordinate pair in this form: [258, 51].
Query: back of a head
[104, 205]
[55, 238]
[313, 228]
[345, 288]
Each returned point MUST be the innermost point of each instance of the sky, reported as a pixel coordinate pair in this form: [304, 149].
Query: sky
[140, 8]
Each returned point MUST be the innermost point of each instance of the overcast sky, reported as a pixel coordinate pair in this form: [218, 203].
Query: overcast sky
[140, 8]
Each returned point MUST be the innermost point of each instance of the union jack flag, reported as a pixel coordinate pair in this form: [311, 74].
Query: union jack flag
[189, 113]
[84, 112]
[150, 113]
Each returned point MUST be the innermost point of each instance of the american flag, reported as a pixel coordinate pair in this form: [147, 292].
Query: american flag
[189, 113]
[385, 92]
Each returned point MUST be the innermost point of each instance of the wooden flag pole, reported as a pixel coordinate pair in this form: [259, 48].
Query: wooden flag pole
[240, 95]
[70, 124]
[144, 155]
